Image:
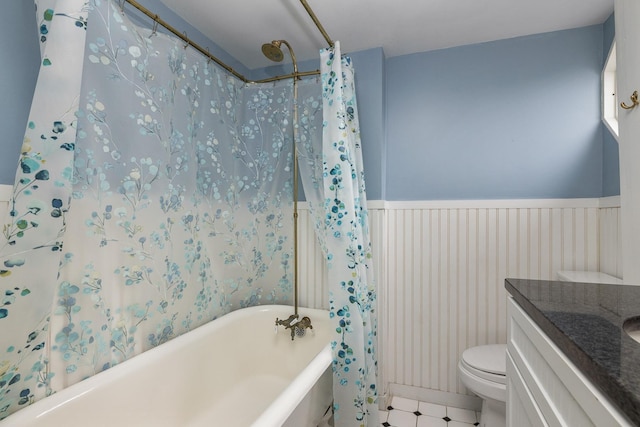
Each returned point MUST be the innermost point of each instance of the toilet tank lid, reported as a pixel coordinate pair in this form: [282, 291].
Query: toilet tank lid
[489, 358]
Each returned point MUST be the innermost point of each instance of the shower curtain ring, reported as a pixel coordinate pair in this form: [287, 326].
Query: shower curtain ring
[186, 40]
[122, 3]
[155, 26]
[208, 55]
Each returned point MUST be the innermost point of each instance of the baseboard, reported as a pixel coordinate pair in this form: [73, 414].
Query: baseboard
[464, 401]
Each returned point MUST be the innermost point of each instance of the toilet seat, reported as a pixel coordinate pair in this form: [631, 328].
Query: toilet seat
[488, 362]
[483, 371]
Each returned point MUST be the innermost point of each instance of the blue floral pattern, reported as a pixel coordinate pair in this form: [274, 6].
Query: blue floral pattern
[31, 250]
[153, 194]
[333, 179]
[345, 238]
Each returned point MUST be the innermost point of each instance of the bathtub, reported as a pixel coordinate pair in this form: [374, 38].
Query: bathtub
[235, 371]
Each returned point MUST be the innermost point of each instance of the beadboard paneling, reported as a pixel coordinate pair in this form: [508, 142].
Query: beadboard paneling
[610, 237]
[440, 268]
[446, 265]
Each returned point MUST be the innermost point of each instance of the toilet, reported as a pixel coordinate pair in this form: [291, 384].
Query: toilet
[482, 370]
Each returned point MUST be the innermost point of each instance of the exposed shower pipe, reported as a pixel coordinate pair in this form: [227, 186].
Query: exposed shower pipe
[273, 51]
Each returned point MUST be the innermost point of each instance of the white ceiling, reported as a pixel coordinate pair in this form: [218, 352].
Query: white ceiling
[400, 27]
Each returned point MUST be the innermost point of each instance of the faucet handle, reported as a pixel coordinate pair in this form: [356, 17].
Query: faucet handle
[287, 322]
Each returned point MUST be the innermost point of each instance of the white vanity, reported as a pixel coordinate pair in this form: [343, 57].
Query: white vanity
[570, 361]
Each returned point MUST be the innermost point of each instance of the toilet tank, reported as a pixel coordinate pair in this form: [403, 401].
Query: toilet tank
[588, 277]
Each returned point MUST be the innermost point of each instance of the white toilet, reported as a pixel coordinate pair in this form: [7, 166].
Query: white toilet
[482, 370]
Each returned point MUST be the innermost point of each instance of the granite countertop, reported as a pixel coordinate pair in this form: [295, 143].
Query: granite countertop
[585, 321]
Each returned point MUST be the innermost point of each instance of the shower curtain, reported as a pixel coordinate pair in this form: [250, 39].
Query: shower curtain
[31, 244]
[153, 194]
[333, 180]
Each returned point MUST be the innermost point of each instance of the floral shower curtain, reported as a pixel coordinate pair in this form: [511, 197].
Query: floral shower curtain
[31, 244]
[153, 195]
[333, 179]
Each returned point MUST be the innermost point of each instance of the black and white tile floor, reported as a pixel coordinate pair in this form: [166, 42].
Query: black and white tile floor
[411, 413]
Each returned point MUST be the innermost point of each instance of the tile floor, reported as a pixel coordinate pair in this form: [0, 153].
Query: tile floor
[411, 413]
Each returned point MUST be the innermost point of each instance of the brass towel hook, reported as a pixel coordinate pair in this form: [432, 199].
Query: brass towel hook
[634, 99]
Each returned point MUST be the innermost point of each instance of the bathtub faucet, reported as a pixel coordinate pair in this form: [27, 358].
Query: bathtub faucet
[297, 327]
[287, 322]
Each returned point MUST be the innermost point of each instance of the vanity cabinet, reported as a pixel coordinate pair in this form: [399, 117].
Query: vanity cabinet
[544, 388]
[627, 13]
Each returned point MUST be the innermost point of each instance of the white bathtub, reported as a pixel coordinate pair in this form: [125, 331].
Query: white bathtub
[235, 371]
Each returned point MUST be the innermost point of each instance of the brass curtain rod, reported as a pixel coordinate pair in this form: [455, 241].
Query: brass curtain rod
[159, 21]
[316, 21]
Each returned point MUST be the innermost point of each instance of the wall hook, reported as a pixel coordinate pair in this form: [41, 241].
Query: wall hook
[634, 99]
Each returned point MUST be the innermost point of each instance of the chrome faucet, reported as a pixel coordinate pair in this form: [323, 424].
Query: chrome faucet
[297, 327]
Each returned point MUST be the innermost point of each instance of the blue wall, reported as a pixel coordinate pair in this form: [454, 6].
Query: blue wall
[611, 159]
[517, 118]
[20, 64]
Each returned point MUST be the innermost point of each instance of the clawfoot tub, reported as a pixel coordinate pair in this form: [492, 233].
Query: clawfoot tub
[235, 371]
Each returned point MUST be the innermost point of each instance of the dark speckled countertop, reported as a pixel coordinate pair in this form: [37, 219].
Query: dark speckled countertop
[585, 321]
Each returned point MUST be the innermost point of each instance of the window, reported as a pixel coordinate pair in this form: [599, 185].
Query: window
[609, 93]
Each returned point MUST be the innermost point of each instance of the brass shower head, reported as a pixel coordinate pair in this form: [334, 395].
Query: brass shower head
[273, 51]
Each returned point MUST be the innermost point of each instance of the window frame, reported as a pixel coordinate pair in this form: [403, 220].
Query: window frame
[609, 92]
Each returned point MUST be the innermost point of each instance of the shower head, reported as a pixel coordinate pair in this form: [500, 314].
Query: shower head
[273, 51]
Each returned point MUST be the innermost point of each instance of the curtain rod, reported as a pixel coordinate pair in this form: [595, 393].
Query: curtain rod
[183, 36]
[316, 21]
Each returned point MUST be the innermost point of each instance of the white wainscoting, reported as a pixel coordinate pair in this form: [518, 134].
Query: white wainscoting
[440, 268]
[610, 236]
[441, 265]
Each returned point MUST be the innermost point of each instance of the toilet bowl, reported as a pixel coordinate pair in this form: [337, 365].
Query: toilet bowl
[482, 370]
